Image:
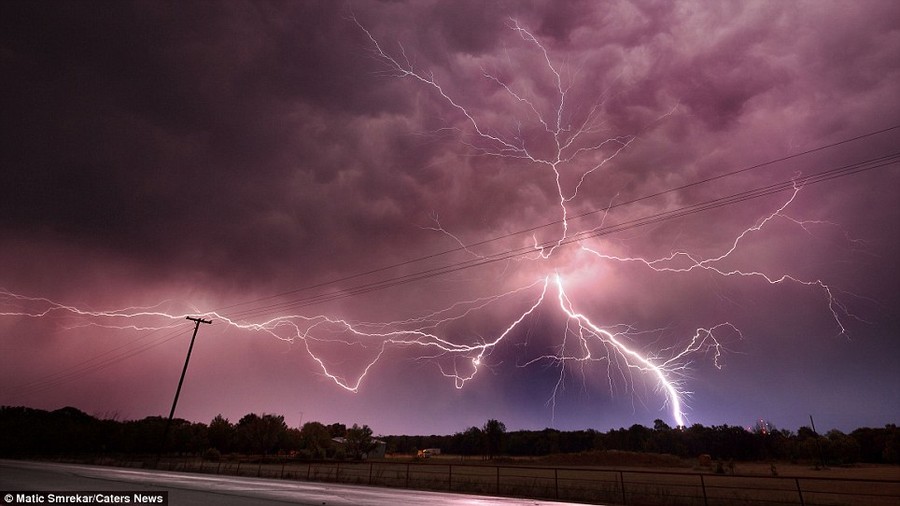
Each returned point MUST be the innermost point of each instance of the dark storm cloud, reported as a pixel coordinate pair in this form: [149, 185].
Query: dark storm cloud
[136, 123]
[242, 149]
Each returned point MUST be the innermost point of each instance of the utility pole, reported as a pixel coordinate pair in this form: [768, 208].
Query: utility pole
[162, 445]
[818, 446]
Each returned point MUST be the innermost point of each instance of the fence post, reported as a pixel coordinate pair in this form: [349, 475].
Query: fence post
[622, 481]
[218, 466]
[498, 480]
[556, 481]
[703, 486]
[407, 475]
[282, 470]
[308, 471]
[450, 477]
[370, 473]
[799, 492]
[237, 472]
[337, 473]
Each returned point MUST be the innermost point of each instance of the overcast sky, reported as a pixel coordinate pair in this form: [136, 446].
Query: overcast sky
[422, 215]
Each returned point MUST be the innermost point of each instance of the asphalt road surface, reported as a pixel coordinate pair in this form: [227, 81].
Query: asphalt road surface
[198, 489]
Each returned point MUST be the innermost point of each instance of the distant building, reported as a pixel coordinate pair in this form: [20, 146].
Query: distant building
[377, 452]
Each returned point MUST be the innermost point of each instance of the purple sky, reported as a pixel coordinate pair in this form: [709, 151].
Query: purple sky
[306, 175]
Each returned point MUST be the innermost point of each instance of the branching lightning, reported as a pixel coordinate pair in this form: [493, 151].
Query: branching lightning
[577, 153]
[578, 150]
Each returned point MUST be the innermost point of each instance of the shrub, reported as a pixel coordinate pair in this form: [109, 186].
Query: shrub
[212, 455]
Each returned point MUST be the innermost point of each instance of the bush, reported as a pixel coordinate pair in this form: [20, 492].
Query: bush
[212, 455]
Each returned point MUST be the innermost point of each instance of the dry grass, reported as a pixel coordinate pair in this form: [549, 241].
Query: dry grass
[611, 458]
[856, 472]
[592, 477]
[664, 479]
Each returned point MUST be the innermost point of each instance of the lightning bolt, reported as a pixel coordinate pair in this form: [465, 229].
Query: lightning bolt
[570, 154]
[579, 150]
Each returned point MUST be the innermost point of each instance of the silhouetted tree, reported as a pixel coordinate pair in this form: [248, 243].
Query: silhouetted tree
[261, 434]
[494, 432]
[26, 431]
[145, 435]
[470, 441]
[665, 439]
[638, 438]
[337, 430]
[187, 437]
[359, 441]
[841, 448]
[891, 452]
[221, 434]
[67, 430]
[315, 438]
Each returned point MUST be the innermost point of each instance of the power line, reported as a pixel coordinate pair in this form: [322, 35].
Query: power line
[92, 364]
[87, 367]
[335, 281]
[509, 254]
[788, 184]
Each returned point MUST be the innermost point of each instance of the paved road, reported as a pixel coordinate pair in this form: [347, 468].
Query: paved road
[198, 489]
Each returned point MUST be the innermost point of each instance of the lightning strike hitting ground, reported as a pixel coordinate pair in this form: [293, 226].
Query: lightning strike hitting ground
[571, 149]
[580, 151]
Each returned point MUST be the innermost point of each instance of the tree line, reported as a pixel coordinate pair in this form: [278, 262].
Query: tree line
[27, 431]
[722, 442]
[32, 432]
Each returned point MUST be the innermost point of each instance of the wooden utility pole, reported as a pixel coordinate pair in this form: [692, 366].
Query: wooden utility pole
[162, 445]
[818, 446]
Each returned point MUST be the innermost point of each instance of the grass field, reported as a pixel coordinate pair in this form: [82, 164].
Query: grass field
[636, 479]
